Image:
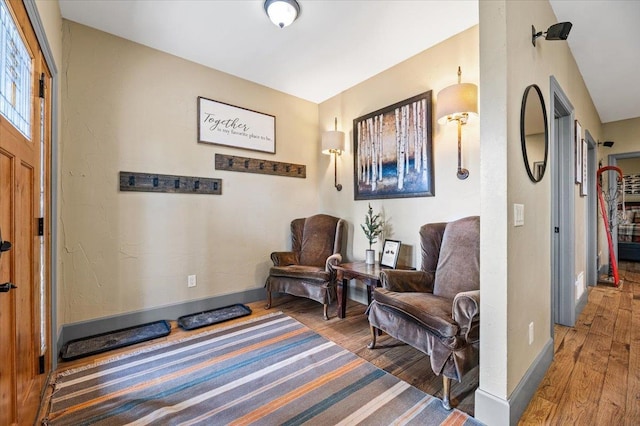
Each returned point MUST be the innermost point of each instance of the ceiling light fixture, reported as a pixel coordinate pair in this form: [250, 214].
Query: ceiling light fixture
[559, 31]
[282, 12]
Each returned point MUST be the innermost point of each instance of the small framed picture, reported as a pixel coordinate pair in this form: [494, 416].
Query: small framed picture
[585, 180]
[390, 252]
[578, 151]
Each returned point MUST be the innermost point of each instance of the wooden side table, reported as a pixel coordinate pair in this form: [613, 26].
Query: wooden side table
[368, 274]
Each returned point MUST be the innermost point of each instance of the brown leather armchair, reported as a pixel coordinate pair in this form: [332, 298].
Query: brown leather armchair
[304, 271]
[436, 309]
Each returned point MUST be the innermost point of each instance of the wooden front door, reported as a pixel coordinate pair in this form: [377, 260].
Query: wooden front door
[24, 141]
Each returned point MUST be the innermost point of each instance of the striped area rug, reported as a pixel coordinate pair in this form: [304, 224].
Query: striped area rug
[271, 370]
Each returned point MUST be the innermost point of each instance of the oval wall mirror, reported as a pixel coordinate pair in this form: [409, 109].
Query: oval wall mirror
[534, 133]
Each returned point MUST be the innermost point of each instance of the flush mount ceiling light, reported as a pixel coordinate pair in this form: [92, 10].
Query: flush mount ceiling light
[559, 31]
[282, 12]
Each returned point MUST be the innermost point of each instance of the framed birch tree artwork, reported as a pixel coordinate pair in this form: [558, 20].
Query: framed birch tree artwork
[393, 154]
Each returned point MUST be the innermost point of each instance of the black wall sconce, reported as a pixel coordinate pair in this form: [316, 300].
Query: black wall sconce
[559, 31]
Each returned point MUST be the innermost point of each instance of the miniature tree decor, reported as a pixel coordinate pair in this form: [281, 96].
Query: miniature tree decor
[372, 227]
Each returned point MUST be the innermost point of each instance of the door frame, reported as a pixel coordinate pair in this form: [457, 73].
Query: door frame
[562, 129]
[45, 48]
[592, 212]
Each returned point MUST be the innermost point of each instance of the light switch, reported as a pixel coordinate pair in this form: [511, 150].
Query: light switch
[518, 215]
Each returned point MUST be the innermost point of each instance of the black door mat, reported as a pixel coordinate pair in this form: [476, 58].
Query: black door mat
[214, 316]
[104, 342]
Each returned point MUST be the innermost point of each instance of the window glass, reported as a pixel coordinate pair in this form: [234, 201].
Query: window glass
[15, 74]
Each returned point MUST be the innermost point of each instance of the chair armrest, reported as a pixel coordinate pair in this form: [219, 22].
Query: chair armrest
[466, 312]
[332, 260]
[284, 258]
[401, 280]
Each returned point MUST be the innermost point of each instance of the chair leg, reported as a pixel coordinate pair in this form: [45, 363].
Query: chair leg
[268, 306]
[326, 311]
[374, 333]
[446, 393]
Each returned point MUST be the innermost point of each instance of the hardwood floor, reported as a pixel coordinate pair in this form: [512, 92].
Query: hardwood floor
[594, 378]
[595, 375]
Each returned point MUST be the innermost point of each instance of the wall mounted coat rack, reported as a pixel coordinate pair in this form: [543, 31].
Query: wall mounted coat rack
[254, 165]
[148, 182]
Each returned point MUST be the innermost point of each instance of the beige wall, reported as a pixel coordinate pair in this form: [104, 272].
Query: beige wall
[433, 69]
[629, 165]
[625, 134]
[516, 277]
[131, 108]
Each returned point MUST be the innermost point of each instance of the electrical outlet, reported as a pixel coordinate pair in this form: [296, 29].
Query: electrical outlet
[191, 281]
[530, 333]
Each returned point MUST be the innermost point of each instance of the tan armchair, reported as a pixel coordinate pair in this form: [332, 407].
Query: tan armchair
[436, 309]
[304, 271]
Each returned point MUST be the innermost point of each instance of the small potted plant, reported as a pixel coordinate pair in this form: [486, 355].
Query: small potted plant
[372, 227]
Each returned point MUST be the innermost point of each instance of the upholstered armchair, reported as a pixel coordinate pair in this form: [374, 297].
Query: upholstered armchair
[436, 309]
[316, 243]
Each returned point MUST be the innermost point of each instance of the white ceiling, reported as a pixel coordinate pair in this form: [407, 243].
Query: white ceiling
[332, 46]
[605, 41]
[336, 44]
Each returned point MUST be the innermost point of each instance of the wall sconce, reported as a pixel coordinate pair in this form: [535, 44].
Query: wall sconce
[455, 103]
[333, 143]
[559, 31]
[282, 12]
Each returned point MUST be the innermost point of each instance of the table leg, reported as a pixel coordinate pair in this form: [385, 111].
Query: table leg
[343, 287]
[370, 290]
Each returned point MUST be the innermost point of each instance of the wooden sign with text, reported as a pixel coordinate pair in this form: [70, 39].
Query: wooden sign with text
[224, 124]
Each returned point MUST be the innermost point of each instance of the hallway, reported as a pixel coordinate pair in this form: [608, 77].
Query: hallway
[595, 375]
